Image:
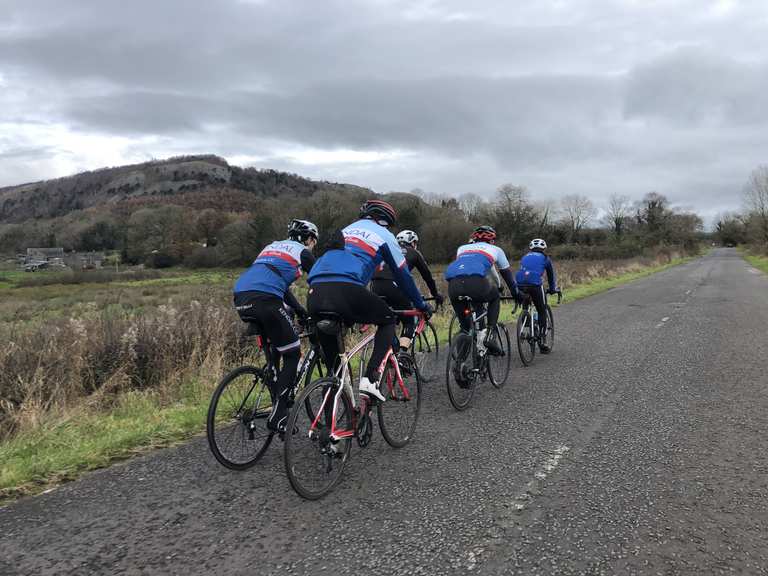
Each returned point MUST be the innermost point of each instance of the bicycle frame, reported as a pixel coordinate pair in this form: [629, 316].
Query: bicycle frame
[343, 375]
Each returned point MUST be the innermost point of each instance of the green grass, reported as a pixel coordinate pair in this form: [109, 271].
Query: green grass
[86, 440]
[759, 262]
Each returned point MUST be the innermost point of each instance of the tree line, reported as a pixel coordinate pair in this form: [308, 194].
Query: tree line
[750, 226]
[226, 224]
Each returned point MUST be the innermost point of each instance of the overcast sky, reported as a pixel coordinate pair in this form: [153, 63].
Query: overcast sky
[567, 96]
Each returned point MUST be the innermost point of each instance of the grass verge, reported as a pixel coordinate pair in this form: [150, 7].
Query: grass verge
[85, 440]
[759, 262]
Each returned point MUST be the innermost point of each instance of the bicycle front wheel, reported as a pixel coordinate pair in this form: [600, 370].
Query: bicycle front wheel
[399, 414]
[237, 418]
[459, 379]
[498, 366]
[425, 350]
[314, 461]
[526, 343]
[550, 330]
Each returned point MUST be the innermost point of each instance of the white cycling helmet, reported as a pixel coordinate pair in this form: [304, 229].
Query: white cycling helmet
[537, 244]
[300, 230]
[407, 237]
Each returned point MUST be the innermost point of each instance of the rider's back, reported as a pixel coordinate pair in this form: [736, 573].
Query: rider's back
[532, 268]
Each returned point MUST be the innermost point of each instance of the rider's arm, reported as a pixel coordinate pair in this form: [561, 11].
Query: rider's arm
[506, 271]
[291, 300]
[307, 260]
[423, 268]
[509, 280]
[394, 257]
[551, 275]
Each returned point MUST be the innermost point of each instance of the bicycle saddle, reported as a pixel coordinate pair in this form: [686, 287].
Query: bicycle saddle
[329, 323]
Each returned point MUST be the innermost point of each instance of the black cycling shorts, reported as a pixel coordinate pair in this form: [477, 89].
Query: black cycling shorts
[267, 313]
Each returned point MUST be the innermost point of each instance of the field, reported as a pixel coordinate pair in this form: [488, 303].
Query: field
[100, 366]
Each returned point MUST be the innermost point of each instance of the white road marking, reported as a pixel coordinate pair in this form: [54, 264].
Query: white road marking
[665, 318]
[531, 488]
[688, 292]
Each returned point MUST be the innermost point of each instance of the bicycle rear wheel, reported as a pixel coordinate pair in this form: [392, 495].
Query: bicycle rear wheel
[459, 379]
[313, 461]
[526, 343]
[236, 425]
[498, 366]
[400, 413]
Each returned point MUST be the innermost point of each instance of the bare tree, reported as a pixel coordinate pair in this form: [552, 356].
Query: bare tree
[756, 199]
[578, 211]
[470, 204]
[619, 210]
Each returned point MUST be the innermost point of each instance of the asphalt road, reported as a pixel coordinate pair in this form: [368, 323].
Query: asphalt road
[640, 446]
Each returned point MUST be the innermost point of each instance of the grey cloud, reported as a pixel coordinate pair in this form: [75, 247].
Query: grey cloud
[586, 96]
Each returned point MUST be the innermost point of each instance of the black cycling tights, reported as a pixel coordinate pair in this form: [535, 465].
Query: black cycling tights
[356, 305]
[480, 289]
[539, 299]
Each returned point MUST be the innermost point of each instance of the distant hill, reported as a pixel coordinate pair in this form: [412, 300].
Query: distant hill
[205, 181]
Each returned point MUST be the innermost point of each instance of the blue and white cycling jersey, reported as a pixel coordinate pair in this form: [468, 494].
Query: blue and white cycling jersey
[277, 266]
[532, 268]
[476, 259]
[366, 245]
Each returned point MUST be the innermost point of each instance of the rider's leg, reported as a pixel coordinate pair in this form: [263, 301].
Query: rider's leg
[275, 325]
[397, 300]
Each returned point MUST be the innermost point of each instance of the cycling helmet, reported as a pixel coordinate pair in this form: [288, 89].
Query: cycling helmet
[407, 237]
[483, 234]
[379, 211]
[301, 230]
[537, 244]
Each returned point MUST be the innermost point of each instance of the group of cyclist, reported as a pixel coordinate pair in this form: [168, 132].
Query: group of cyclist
[367, 252]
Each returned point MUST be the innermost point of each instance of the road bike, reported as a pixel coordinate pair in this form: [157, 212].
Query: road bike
[528, 331]
[241, 403]
[329, 413]
[468, 363]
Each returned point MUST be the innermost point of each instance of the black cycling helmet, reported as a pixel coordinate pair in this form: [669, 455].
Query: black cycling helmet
[484, 234]
[382, 212]
[300, 230]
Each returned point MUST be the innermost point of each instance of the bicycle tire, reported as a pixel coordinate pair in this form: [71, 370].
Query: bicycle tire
[459, 395]
[526, 346]
[499, 374]
[550, 330]
[399, 406]
[301, 451]
[257, 437]
[424, 346]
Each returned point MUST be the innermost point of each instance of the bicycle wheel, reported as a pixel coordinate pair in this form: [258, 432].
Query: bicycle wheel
[498, 366]
[459, 379]
[452, 328]
[399, 414]
[526, 343]
[425, 349]
[237, 418]
[550, 330]
[313, 461]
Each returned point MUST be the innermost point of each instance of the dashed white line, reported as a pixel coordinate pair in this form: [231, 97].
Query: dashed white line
[665, 318]
[526, 495]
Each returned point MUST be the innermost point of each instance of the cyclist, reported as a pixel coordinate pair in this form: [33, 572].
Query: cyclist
[260, 296]
[383, 283]
[339, 277]
[473, 274]
[530, 277]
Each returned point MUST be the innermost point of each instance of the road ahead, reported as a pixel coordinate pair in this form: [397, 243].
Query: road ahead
[640, 446]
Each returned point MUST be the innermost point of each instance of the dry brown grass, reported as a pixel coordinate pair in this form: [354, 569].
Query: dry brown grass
[70, 346]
